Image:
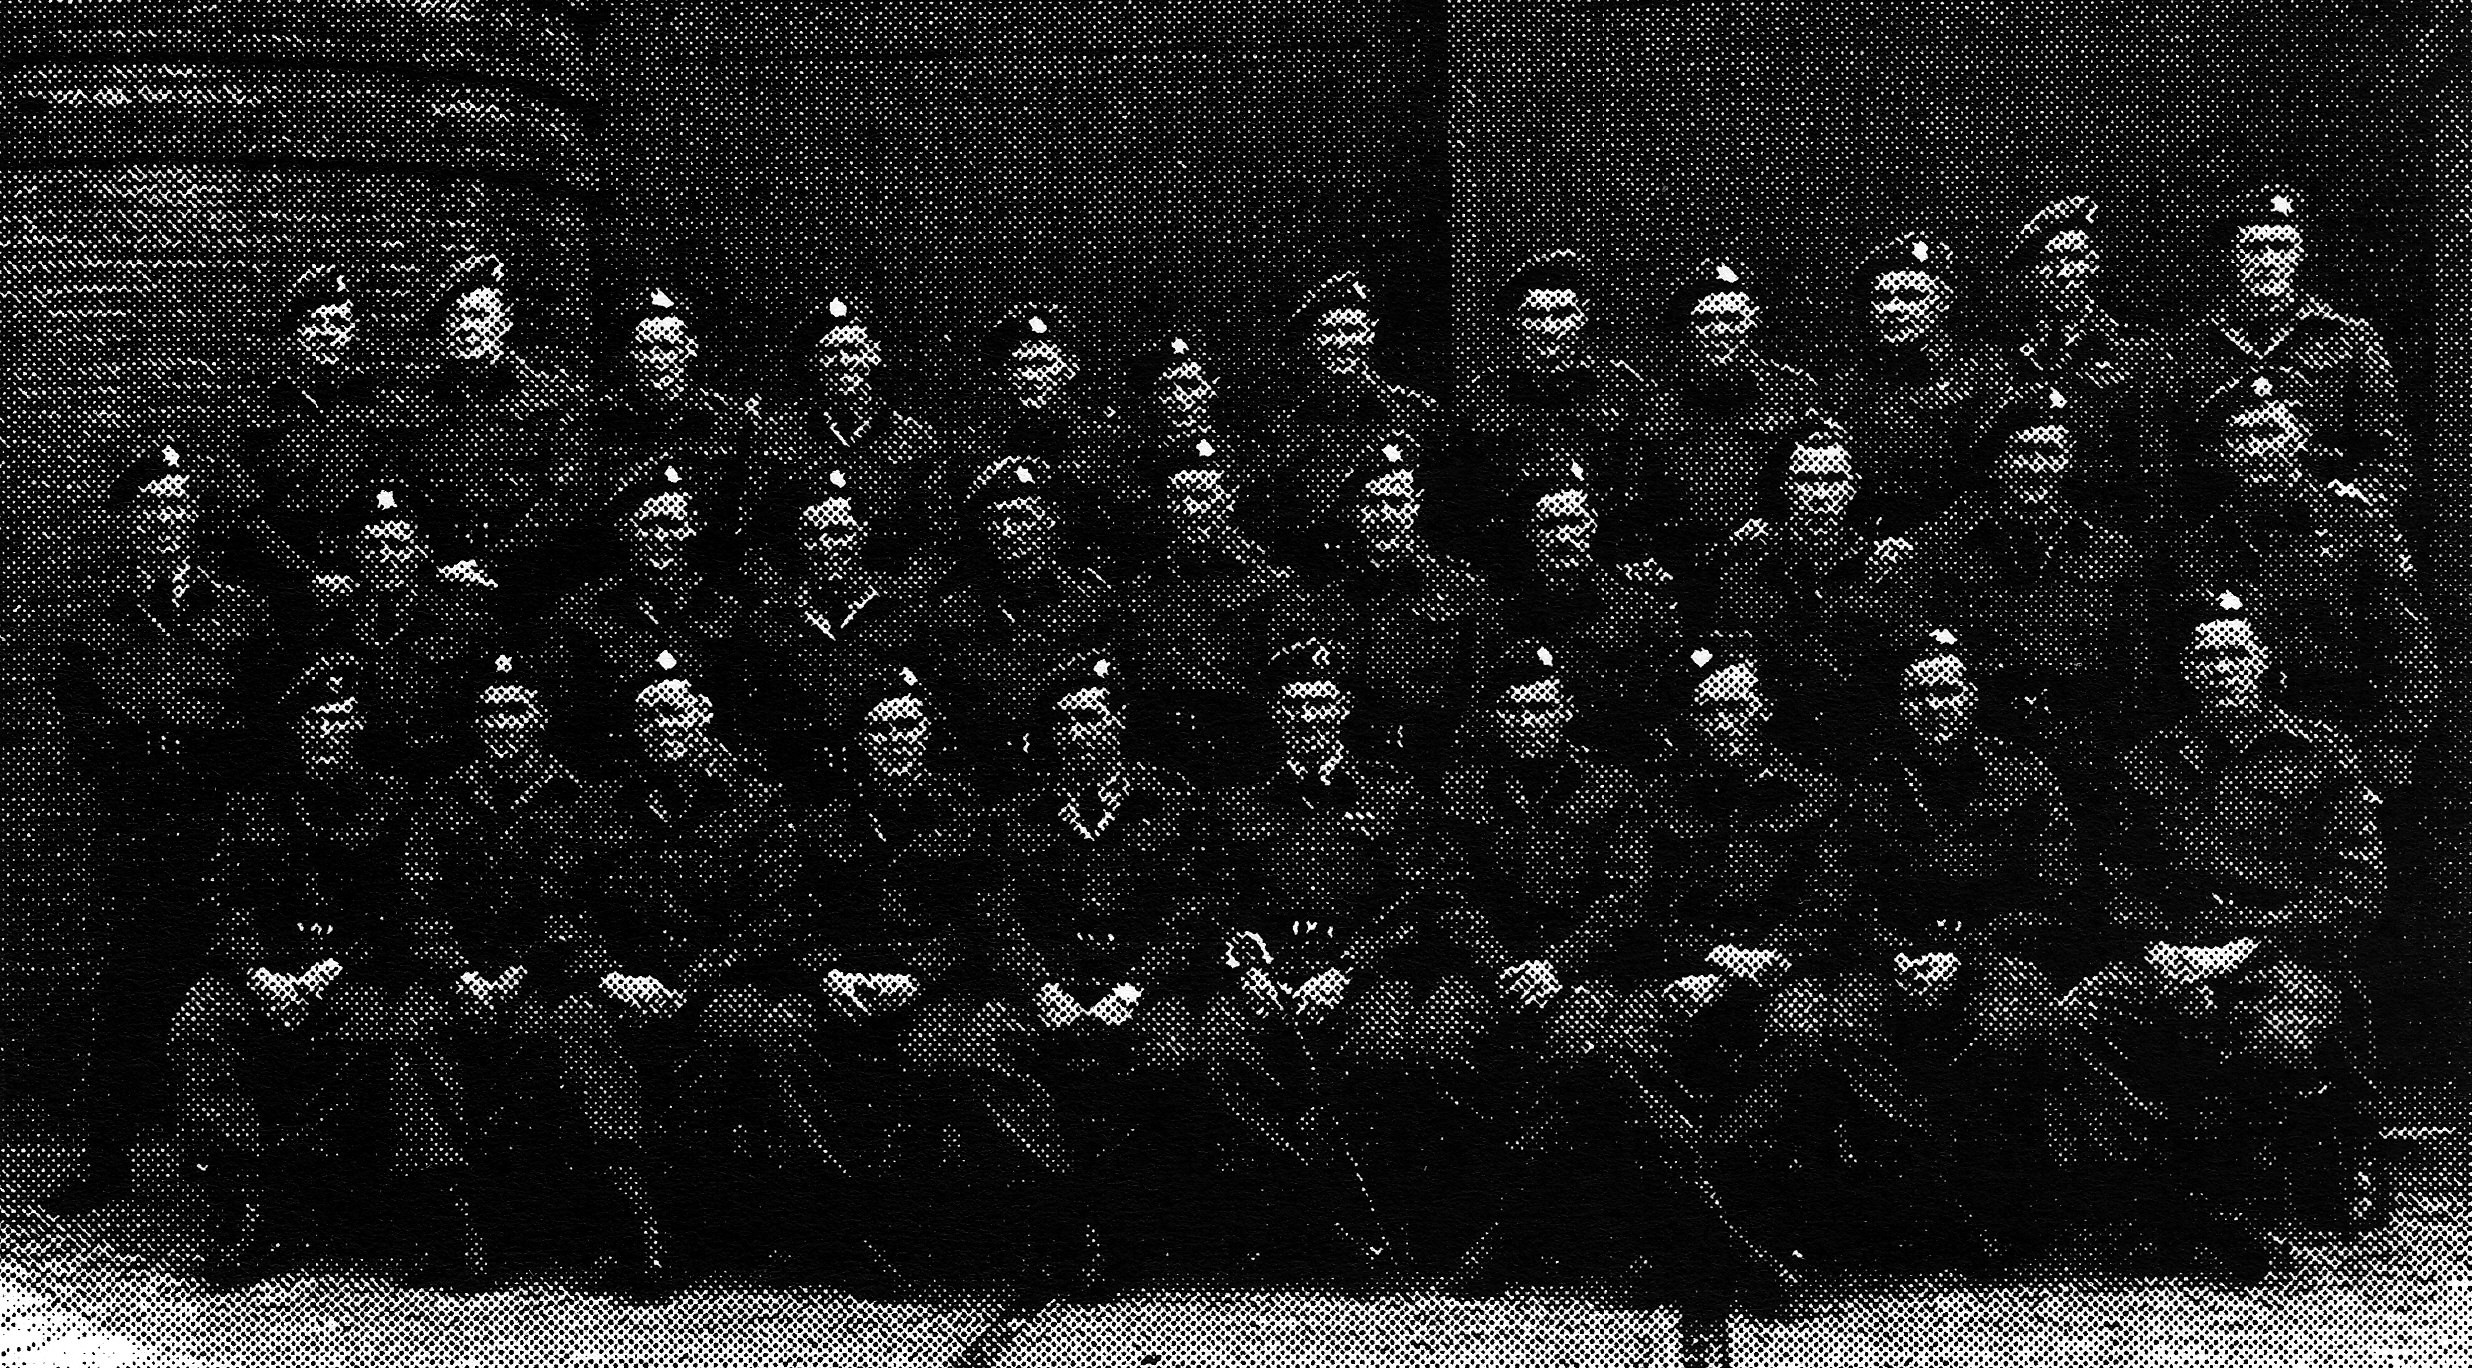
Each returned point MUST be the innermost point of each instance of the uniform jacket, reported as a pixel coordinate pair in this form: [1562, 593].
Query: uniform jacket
[1705, 443]
[1315, 439]
[896, 467]
[1089, 451]
[305, 873]
[1761, 863]
[1825, 630]
[2338, 373]
[481, 448]
[418, 659]
[889, 882]
[2277, 838]
[482, 866]
[611, 441]
[1559, 875]
[1976, 855]
[1418, 636]
[309, 445]
[1916, 417]
[1590, 411]
[1616, 643]
[157, 696]
[1195, 628]
[996, 645]
[2126, 471]
[600, 638]
[802, 666]
[1127, 907]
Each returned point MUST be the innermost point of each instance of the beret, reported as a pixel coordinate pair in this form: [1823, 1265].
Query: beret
[1025, 323]
[1538, 481]
[331, 680]
[1710, 275]
[479, 272]
[2027, 409]
[1340, 290]
[1167, 351]
[1212, 451]
[2062, 215]
[1013, 477]
[652, 301]
[507, 669]
[1933, 642]
[2255, 390]
[1910, 252]
[663, 667]
[1089, 670]
[834, 310]
[2265, 206]
[1715, 656]
[1521, 664]
[380, 503]
[1393, 451]
[890, 682]
[2223, 605]
[1312, 660]
[1563, 268]
[314, 289]
[160, 463]
[647, 486]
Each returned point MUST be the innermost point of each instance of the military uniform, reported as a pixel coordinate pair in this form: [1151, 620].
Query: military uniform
[803, 662]
[414, 655]
[1193, 631]
[1614, 642]
[598, 637]
[1416, 633]
[995, 641]
[1914, 410]
[1820, 624]
[894, 464]
[615, 441]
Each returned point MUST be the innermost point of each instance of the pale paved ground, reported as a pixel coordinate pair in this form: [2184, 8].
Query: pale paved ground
[113, 1291]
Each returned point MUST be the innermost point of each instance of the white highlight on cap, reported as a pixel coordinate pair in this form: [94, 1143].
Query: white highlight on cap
[1579, 472]
[1204, 449]
[386, 499]
[1357, 288]
[666, 661]
[839, 479]
[661, 300]
[669, 474]
[838, 308]
[2059, 401]
[908, 678]
[1701, 657]
[1390, 452]
[1728, 274]
[506, 664]
[1544, 657]
[341, 287]
[1038, 325]
[2263, 387]
[1178, 345]
[2281, 204]
[1022, 475]
[1944, 636]
[171, 457]
[1922, 251]
[1100, 667]
[2230, 602]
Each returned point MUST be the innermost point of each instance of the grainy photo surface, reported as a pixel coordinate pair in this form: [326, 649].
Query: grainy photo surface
[1307, 682]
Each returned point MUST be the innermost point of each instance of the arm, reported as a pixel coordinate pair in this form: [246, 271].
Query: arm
[2380, 446]
[2404, 670]
[766, 912]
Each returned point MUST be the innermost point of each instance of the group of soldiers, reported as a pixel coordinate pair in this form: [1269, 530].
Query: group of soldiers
[1724, 812]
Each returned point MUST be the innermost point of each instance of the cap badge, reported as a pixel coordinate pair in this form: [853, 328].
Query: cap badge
[2230, 602]
[1579, 472]
[666, 661]
[907, 678]
[1390, 452]
[386, 500]
[506, 664]
[2059, 401]
[1701, 657]
[1099, 668]
[1022, 475]
[2281, 204]
[2263, 387]
[661, 300]
[1038, 325]
[1922, 251]
[839, 479]
[341, 287]
[1178, 345]
[1944, 636]
[838, 308]
[1203, 448]
[1545, 657]
[171, 458]
[669, 474]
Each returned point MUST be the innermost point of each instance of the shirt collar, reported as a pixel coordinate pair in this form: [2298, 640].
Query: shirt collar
[1321, 776]
[1109, 800]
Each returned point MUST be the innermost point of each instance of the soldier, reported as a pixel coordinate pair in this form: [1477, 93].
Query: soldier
[1178, 378]
[1919, 393]
[836, 414]
[1333, 870]
[2328, 582]
[2055, 608]
[892, 867]
[1416, 626]
[308, 446]
[1966, 854]
[596, 639]
[806, 649]
[1813, 598]
[2341, 382]
[1015, 611]
[656, 415]
[278, 1054]
[480, 439]
[1039, 413]
[1342, 408]
[158, 691]
[2064, 339]
[1554, 393]
[1614, 639]
[1196, 626]
[1706, 433]
[415, 639]
[2240, 865]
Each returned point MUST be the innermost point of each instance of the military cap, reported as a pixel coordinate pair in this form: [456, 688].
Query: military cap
[1088, 670]
[653, 301]
[1931, 643]
[1166, 352]
[839, 309]
[1541, 480]
[312, 290]
[506, 669]
[2038, 407]
[1710, 275]
[1023, 324]
[664, 666]
[836, 484]
[381, 502]
[890, 682]
[479, 272]
[2268, 388]
[1012, 477]
[1563, 268]
[2266, 206]
[162, 462]
[1394, 451]
[1214, 451]
[330, 681]
[1715, 656]
[2073, 214]
[648, 486]
[1910, 252]
[1521, 664]
[1312, 660]
[1339, 290]
[2223, 605]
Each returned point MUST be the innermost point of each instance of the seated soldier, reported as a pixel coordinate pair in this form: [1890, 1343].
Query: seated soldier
[597, 638]
[1196, 625]
[1965, 853]
[1330, 872]
[415, 638]
[2240, 864]
[278, 1057]
[1039, 412]
[886, 956]
[832, 628]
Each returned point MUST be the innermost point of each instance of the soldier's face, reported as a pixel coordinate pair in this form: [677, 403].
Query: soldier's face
[844, 361]
[2064, 271]
[2265, 449]
[1819, 486]
[390, 556]
[1340, 342]
[1184, 395]
[1937, 700]
[1908, 306]
[892, 738]
[328, 737]
[659, 355]
[324, 335]
[660, 533]
[1021, 531]
[2225, 666]
[673, 721]
[1200, 505]
[1531, 720]
[1037, 372]
[477, 325]
[1720, 327]
[510, 724]
[831, 540]
[1546, 324]
[1310, 719]
[1089, 729]
[163, 518]
[2031, 467]
[2266, 260]
[1562, 532]
[1729, 715]
[1386, 512]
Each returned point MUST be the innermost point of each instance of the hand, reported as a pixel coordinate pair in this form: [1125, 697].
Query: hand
[1116, 1008]
[1645, 571]
[2217, 961]
[1886, 555]
[1693, 993]
[1530, 984]
[1759, 968]
[467, 572]
[845, 994]
[1319, 996]
[321, 976]
[892, 992]
[1054, 1008]
[1926, 973]
[641, 994]
[1751, 533]
[2171, 962]
[329, 592]
[281, 996]
[479, 995]
[510, 981]
[1260, 993]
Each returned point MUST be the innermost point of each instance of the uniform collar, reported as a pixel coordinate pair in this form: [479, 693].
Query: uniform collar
[1091, 813]
[2200, 750]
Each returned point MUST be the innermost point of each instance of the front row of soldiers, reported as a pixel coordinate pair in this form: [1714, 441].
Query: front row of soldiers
[1334, 1014]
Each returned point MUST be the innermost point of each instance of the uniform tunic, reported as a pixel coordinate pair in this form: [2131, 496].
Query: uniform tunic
[1706, 445]
[1089, 453]
[309, 446]
[1417, 634]
[1825, 629]
[802, 663]
[1617, 645]
[1915, 417]
[2126, 473]
[2335, 369]
[605, 636]
[417, 658]
[481, 447]
[1590, 411]
[1315, 439]
[1195, 630]
[609, 443]
[894, 465]
[995, 644]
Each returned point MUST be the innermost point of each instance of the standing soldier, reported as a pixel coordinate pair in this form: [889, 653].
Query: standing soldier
[1341, 409]
[480, 439]
[158, 691]
[1040, 413]
[1918, 395]
[1417, 627]
[2341, 382]
[279, 1054]
[595, 641]
[2125, 471]
[1706, 433]
[308, 445]
[836, 414]
[890, 870]
[2055, 609]
[2240, 866]
[2327, 579]
[1196, 626]
[415, 639]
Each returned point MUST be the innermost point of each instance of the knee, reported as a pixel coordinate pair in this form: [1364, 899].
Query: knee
[1797, 1021]
[207, 1014]
[733, 1017]
[787, 1027]
[581, 1021]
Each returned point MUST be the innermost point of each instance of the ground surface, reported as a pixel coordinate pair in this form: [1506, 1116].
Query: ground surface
[113, 1290]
